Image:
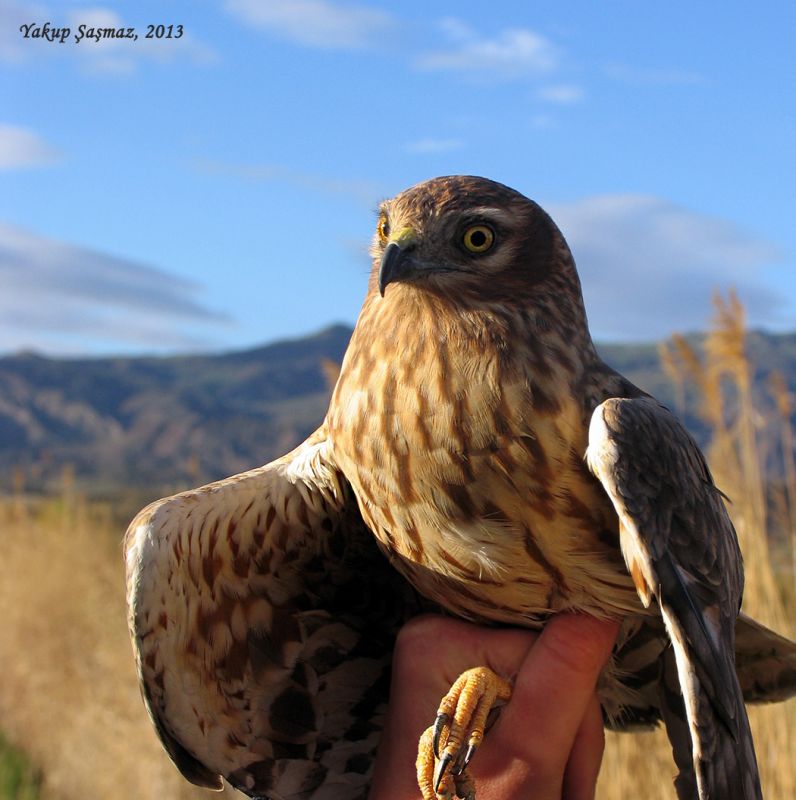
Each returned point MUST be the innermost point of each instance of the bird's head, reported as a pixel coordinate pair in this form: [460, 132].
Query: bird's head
[463, 235]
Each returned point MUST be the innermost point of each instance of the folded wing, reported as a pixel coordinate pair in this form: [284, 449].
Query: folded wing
[681, 550]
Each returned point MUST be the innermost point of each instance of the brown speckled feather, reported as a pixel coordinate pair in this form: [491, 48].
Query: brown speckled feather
[263, 618]
[263, 612]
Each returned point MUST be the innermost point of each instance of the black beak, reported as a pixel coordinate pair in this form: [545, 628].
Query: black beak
[395, 264]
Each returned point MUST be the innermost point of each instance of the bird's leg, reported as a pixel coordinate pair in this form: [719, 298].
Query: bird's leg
[445, 749]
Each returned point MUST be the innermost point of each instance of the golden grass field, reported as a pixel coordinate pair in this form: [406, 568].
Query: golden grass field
[68, 691]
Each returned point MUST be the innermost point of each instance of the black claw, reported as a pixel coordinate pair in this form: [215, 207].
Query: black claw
[458, 765]
[442, 767]
[439, 725]
[470, 753]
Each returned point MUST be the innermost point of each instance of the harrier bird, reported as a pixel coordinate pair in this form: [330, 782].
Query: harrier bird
[479, 457]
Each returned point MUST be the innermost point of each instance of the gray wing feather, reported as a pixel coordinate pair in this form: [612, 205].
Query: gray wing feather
[682, 550]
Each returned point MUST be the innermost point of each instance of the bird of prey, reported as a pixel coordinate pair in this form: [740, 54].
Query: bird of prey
[478, 457]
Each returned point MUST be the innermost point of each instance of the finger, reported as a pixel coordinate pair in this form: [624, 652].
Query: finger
[555, 685]
[431, 648]
[583, 767]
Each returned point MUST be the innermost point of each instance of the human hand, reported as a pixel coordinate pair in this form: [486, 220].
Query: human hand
[548, 741]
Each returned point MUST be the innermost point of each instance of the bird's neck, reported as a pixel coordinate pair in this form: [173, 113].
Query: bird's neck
[410, 325]
[436, 349]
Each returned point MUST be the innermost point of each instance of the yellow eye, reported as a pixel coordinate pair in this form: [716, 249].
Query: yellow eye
[478, 239]
[383, 228]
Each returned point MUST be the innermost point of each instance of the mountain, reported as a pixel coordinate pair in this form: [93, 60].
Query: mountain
[170, 422]
[155, 422]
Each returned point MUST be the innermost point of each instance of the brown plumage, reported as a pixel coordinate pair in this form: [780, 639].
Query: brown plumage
[475, 439]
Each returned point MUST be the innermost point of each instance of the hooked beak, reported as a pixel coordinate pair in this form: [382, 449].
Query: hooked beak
[396, 262]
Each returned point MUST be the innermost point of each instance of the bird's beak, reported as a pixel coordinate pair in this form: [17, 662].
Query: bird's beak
[395, 262]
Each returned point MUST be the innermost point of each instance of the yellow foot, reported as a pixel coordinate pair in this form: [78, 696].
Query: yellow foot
[442, 756]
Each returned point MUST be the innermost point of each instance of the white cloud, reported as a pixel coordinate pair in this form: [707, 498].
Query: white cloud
[317, 23]
[14, 13]
[432, 146]
[360, 190]
[122, 56]
[542, 122]
[22, 148]
[106, 56]
[514, 53]
[55, 292]
[654, 77]
[563, 94]
[455, 29]
[649, 267]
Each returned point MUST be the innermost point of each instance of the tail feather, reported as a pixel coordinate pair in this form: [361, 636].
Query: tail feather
[765, 662]
[676, 721]
[719, 742]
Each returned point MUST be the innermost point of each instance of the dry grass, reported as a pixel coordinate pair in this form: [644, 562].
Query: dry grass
[69, 696]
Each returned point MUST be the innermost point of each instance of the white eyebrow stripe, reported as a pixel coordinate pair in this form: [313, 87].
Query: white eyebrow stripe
[496, 214]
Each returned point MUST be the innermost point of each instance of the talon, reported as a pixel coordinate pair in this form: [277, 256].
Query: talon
[447, 747]
[458, 765]
[470, 753]
[439, 725]
[439, 772]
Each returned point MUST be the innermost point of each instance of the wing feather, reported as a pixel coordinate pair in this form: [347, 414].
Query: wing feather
[263, 617]
[681, 549]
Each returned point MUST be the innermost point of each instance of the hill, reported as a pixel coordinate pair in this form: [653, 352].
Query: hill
[165, 422]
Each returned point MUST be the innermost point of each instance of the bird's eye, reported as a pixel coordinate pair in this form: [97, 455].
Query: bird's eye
[383, 228]
[478, 239]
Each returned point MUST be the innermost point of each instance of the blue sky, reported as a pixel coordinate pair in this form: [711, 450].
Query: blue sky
[217, 191]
